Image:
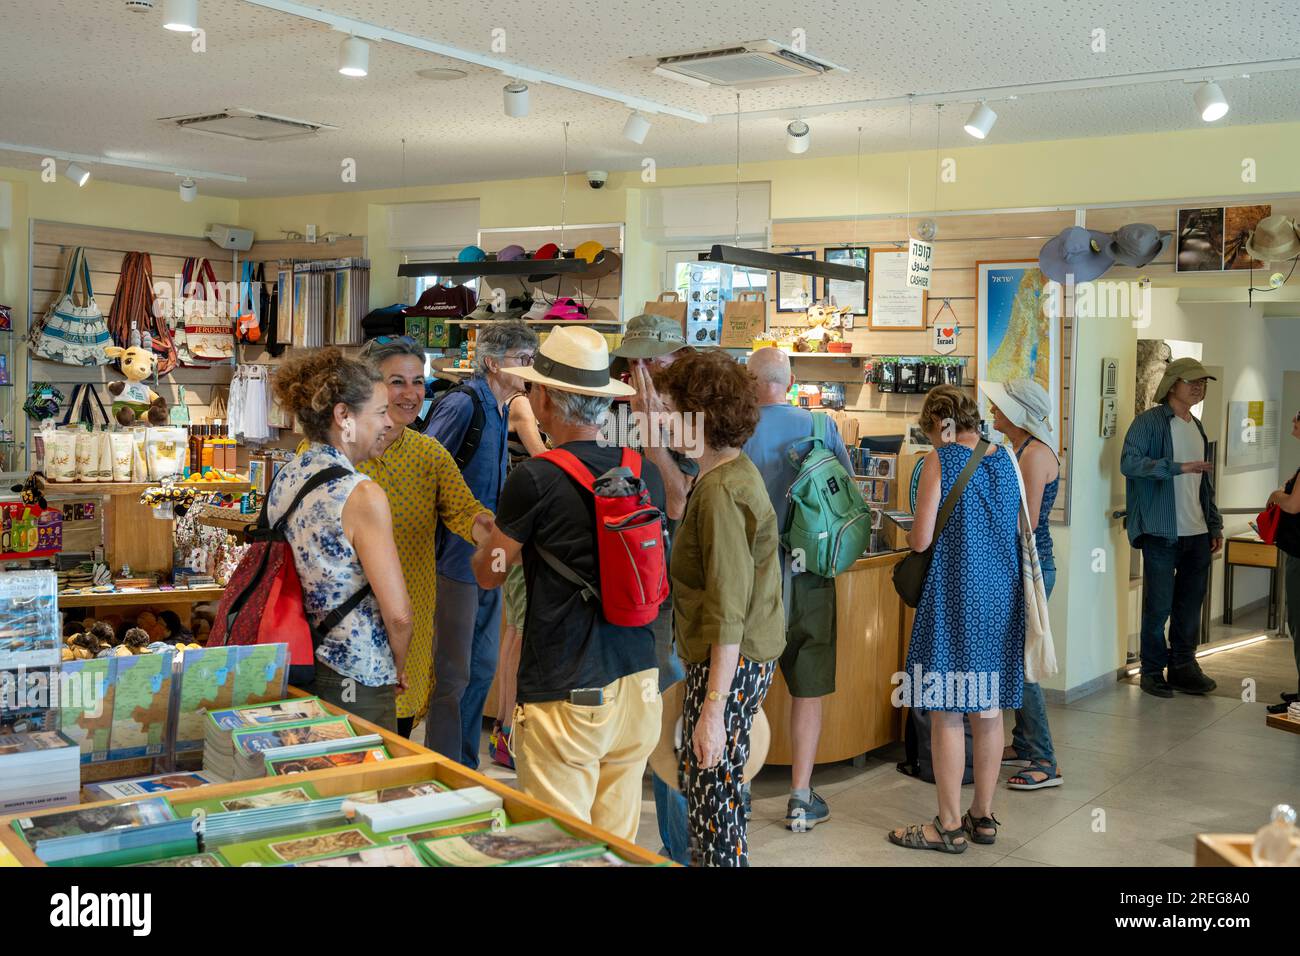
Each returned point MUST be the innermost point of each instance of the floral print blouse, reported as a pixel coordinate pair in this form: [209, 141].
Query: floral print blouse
[329, 568]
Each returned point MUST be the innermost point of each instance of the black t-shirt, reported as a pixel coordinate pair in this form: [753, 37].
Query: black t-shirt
[567, 643]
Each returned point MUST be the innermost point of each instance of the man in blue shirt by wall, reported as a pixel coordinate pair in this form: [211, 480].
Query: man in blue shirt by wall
[808, 664]
[471, 423]
[1172, 517]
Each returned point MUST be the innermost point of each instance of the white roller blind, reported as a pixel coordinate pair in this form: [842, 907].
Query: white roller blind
[433, 225]
[705, 213]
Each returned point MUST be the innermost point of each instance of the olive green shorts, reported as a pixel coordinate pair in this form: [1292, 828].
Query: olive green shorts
[808, 662]
[516, 597]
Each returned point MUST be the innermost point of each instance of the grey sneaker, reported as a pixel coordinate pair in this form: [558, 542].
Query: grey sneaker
[748, 804]
[801, 816]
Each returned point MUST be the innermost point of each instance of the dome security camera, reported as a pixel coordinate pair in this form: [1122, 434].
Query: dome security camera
[596, 178]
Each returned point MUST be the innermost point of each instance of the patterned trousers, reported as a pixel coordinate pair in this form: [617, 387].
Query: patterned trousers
[714, 803]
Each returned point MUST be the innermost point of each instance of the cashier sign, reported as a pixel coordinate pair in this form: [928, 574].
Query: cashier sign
[919, 257]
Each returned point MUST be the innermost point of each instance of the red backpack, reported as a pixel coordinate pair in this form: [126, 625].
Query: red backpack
[263, 601]
[630, 544]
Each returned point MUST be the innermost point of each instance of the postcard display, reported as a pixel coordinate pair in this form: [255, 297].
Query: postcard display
[38, 765]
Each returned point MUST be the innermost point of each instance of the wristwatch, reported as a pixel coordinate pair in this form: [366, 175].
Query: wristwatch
[716, 695]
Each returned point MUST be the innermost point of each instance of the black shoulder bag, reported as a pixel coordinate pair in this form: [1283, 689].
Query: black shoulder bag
[911, 572]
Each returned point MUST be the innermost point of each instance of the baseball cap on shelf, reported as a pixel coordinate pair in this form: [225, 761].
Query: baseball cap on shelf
[588, 250]
[537, 311]
[511, 253]
[566, 310]
[471, 254]
[549, 251]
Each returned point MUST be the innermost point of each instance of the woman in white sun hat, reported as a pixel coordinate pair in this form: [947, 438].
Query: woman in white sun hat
[1022, 411]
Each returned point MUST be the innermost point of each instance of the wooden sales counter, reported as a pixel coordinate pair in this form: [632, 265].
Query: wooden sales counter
[873, 625]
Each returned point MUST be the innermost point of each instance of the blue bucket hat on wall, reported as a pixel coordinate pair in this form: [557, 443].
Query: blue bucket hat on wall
[1082, 253]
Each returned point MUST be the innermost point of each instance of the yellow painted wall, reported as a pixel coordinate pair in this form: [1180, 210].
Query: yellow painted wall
[1195, 163]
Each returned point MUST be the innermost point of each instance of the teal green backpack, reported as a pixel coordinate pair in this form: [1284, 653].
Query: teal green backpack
[827, 521]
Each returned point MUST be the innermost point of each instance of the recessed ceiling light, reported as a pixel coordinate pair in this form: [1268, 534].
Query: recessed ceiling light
[181, 16]
[78, 174]
[441, 73]
[354, 57]
[981, 121]
[798, 135]
[1210, 102]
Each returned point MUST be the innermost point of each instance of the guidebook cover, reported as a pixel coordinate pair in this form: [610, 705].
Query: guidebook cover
[532, 843]
[344, 758]
[86, 706]
[277, 712]
[96, 819]
[255, 740]
[271, 797]
[141, 701]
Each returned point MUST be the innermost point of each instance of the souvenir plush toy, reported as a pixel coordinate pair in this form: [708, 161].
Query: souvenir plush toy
[824, 327]
[31, 488]
[133, 400]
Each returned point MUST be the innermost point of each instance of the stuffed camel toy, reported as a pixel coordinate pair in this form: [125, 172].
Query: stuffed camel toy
[133, 400]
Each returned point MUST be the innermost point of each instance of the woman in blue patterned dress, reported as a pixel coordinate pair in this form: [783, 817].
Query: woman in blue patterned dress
[341, 533]
[968, 639]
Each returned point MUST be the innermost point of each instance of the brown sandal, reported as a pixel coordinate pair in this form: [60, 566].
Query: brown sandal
[914, 838]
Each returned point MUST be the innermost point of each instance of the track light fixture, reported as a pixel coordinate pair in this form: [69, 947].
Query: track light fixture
[354, 56]
[981, 121]
[798, 136]
[636, 128]
[1210, 101]
[78, 174]
[516, 99]
[181, 16]
[189, 190]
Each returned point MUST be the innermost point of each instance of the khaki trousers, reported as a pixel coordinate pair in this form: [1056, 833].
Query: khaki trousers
[589, 761]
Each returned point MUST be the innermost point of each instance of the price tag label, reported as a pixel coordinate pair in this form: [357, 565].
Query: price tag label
[920, 255]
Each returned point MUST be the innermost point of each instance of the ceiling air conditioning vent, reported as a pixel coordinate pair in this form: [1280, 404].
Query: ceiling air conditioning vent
[248, 125]
[755, 63]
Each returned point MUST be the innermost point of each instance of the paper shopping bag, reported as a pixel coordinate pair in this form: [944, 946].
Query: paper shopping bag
[742, 319]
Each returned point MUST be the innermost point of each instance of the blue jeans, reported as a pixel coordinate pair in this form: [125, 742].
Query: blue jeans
[670, 804]
[466, 643]
[1031, 738]
[1175, 575]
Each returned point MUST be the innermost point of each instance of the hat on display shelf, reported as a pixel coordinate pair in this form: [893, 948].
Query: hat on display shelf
[1078, 252]
[1275, 239]
[1138, 244]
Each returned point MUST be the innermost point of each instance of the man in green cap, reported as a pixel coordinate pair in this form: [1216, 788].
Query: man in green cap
[1172, 517]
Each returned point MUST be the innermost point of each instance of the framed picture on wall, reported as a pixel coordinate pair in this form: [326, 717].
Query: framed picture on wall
[1018, 331]
[892, 303]
[839, 292]
[795, 292]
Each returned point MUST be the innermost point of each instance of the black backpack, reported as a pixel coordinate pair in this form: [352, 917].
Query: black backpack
[439, 390]
[916, 743]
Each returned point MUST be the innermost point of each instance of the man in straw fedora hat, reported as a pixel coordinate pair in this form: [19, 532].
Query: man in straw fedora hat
[1173, 518]
[588, 710]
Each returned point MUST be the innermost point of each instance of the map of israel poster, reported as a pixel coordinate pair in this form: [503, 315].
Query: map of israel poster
[1018, 330]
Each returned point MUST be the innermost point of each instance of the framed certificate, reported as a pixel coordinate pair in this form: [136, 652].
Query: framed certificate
[893, 304]
[795, 292]
[839, 292]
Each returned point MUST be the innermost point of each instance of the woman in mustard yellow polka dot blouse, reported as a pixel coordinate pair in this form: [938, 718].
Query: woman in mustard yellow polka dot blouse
[423, 486]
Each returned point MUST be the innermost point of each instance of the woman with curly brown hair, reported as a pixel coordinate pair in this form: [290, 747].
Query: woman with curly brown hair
[339, 526]
[726, 576]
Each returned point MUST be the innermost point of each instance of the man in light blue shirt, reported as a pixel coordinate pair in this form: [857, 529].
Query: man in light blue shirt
[808, 663]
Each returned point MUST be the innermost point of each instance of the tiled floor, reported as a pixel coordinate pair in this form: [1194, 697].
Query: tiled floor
[1142, 775]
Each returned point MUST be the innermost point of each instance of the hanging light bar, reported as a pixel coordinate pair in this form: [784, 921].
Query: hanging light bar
[776, 262]
[490, 267]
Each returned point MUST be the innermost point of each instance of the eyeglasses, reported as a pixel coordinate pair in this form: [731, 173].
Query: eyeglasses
[520, 358]
[1194, 383]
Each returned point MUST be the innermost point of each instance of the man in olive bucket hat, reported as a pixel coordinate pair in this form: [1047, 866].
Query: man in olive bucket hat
[1172, 517]
[651, 342]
